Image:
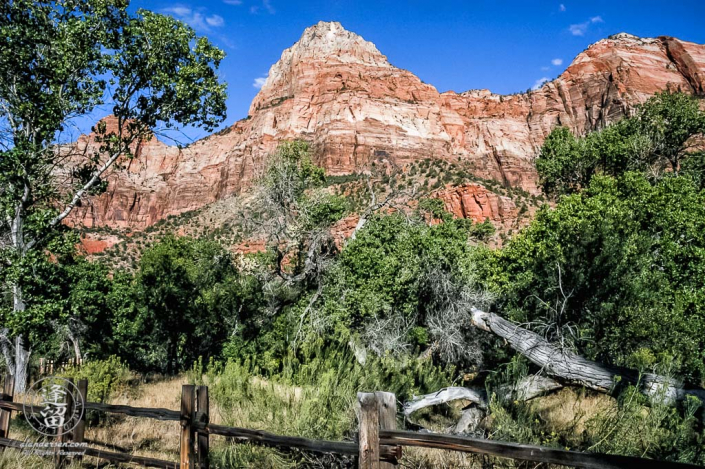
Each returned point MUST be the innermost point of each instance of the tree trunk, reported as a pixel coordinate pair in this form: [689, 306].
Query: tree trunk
[20, 361]
[573, 368]
[453, 393]
[526, 389]
[76, 345]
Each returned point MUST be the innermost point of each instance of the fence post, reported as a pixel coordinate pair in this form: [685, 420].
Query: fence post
[387, 405]
[188, 401]
[203, 416]
[80, 430]
[368, 438]
[60, 460]
[7, 396]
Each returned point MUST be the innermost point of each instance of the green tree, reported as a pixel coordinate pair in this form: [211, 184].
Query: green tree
[61, 61]
[615, 271]
[402, 284]
[187, 301]
[658, 138]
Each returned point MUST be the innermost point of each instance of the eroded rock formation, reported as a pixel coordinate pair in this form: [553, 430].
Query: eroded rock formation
[475, 202]
[339, 92]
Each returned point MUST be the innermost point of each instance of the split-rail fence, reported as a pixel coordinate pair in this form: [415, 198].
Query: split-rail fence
[378, 444]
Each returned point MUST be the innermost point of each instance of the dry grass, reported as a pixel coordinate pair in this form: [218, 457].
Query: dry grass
[142, 436]
[568, 410]
[138, 436]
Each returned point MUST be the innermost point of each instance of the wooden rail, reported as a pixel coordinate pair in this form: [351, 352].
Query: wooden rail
[145, 412]
[524, 452]
[378, 445]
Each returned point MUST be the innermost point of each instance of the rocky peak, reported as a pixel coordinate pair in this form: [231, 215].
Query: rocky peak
[323, 44]
[337, 91]
[330, 41]
[624, 36]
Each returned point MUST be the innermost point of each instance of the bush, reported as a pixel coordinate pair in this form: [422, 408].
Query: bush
[105, 378]
[612, 271]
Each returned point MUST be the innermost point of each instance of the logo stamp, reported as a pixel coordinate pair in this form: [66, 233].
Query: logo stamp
[53, 406]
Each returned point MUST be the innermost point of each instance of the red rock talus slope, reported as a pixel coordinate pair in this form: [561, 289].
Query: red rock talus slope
[339, 92]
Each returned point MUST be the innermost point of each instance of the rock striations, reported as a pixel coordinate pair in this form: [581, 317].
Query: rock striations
[339, 92]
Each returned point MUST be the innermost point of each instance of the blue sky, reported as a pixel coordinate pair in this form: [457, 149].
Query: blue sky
[505, 46]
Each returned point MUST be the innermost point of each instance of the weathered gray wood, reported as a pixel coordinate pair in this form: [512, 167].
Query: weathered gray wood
[146, 412]
[529, 387]
[477, 396]
[202, 416]
[6, 414]
[368, 436]
[387, 405]
[573, 368]
[80, 430]
[551, 359]
[269, 439]
[63, 437]
[524, 452]
[188, 401]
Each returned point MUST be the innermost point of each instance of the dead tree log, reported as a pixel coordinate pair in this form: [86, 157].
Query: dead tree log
[472, 416]
[529, 387]
[573, 368]
[444, 395]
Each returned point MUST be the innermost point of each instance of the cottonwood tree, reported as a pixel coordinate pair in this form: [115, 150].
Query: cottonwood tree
[60, 62]
[658, 139]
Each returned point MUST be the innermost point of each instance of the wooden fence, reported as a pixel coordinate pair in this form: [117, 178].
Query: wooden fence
[48, 366]
[378, 445]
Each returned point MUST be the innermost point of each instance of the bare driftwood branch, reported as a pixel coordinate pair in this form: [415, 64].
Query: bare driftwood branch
[454, 393]
[573, 368]
[529, 387]
[470, 422]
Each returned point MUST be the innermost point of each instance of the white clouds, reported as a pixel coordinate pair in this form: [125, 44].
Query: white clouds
[578, 29]
[554, 63]
[259, 82]
[197, 19]
[581, 28]
[266, 5]
[561, 7]
[179, 11]
[539, 83]
[215, 21]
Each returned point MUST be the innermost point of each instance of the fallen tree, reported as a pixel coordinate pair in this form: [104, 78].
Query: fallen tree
[525, 389]
[572, 368]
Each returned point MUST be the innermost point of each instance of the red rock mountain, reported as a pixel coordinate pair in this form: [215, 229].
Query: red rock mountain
[339, 92]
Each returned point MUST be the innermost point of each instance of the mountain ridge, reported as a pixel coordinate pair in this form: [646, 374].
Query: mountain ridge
[337, 91]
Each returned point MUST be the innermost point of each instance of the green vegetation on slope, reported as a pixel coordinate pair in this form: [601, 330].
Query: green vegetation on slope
[613, 270]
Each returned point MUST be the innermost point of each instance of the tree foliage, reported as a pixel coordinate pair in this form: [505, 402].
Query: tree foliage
[616, 269]
[186, 302]
[402, 284]
[61, 61]
[658, 138]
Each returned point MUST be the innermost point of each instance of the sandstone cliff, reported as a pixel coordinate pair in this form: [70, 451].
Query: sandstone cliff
[339, 92]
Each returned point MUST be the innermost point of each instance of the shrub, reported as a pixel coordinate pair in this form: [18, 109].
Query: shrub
[105, 378]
